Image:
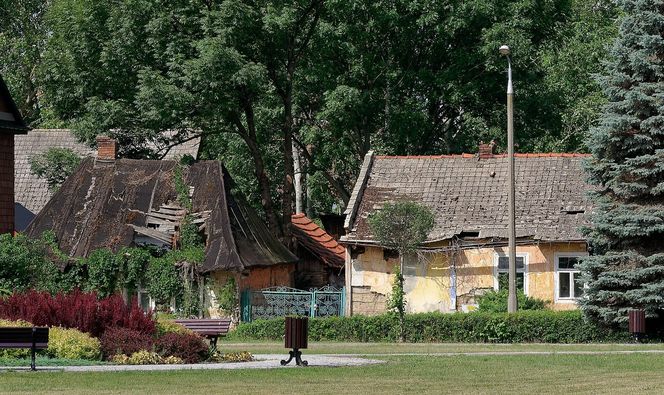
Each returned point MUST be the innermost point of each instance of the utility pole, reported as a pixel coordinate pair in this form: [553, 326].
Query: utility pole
[511, 300]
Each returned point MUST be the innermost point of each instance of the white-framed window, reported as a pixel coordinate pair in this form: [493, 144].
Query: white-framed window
[144, 300]
[566, 274]
[501, 263]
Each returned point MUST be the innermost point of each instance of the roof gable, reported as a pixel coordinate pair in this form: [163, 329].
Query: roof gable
[469, 195]
[11, 120]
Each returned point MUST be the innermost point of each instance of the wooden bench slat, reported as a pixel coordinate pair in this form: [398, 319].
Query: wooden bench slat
[39, 346]
[33, 338]
[207, 327]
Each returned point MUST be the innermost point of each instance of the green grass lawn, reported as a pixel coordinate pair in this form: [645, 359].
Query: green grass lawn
[44, 361]
[425, 348]
[633, 373]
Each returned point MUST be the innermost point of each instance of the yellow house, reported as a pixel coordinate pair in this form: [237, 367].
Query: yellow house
[466, 253]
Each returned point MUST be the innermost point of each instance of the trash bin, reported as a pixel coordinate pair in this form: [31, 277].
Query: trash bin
[637, 324]
[296, 337]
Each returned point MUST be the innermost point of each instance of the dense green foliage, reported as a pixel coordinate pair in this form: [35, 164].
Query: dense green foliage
[626, 270]
[227, 297]
[110, 272]
[163, 280]
[268, 83]
[524, 326]
[28, 263]
[54, 165]
[496, 301]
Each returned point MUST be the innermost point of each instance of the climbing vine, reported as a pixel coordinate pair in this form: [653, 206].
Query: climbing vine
[227, 297]
[174, 274]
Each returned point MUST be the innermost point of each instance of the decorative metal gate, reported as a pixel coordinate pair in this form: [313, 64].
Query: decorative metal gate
[282, 301]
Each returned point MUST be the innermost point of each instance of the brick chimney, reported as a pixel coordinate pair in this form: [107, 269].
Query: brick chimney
[105, 148]
[487, 150]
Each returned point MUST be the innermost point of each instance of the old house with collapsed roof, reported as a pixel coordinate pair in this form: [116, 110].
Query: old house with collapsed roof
[466, 252]
[111, 203]
[32, 192]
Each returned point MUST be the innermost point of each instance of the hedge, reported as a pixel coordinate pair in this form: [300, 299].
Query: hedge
[525, 326]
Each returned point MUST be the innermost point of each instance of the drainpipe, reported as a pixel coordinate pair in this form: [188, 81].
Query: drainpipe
[453, 283]
[349, 289]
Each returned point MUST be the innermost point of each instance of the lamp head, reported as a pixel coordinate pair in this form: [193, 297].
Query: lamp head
[504, 50]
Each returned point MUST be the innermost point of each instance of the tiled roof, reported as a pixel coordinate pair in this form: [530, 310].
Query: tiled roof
[317, 241]
[31, 191]
[468, 194]
[96, 205]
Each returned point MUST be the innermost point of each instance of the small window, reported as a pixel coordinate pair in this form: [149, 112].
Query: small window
[568, 283]
[502, 272]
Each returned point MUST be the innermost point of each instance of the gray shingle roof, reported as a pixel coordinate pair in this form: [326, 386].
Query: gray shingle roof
[470, 195]
[31, 192]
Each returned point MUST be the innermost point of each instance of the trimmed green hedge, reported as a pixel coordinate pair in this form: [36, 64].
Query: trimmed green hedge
[525, 326]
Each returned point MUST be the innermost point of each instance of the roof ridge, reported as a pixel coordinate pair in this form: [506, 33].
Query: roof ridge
[467, 156]
[321, 242]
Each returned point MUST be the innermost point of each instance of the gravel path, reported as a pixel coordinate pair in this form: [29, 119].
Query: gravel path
[272, 361]
[263, 361]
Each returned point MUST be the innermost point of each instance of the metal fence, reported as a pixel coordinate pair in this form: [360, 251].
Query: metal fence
[283, 301]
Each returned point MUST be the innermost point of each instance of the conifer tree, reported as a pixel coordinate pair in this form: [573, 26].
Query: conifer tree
[626, 269]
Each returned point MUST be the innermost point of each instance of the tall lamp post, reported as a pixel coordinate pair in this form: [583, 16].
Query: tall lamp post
[511, 300]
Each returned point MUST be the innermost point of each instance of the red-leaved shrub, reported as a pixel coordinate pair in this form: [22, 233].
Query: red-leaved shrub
[188, 346]
[124, 341]
[80, 310]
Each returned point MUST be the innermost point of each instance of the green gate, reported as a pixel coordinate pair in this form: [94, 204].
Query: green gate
[276, 302]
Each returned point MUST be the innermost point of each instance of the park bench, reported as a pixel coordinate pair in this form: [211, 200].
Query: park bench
[35, 338]
[207, 327]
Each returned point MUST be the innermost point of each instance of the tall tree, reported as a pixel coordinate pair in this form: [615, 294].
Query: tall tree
[22, 42]
[626, 269]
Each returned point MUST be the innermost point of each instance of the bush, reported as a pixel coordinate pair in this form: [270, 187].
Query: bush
[124, 341]
[72, 344]
[244, 356]
[76, 309]
[189, 347]
[170, 326]
[496, 302]
[525, 326]
[144, 358]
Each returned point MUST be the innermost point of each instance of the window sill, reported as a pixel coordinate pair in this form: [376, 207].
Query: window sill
[566, 300]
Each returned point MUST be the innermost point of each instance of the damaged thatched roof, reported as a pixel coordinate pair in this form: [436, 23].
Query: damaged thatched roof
[97, 204]
[468, 195]
[31, 191]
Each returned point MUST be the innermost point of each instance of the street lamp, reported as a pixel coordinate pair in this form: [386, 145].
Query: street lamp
[511, 300]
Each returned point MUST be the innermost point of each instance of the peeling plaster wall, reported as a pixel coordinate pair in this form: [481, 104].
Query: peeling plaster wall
[472, 270]
[372, 278]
